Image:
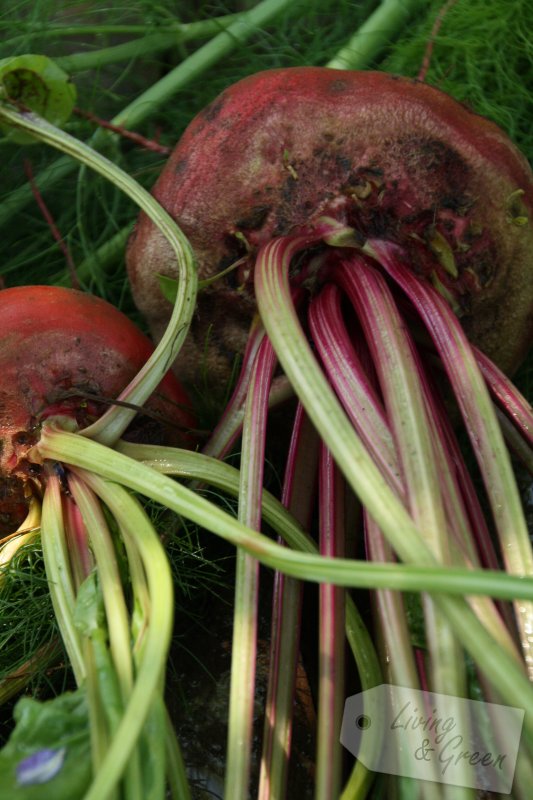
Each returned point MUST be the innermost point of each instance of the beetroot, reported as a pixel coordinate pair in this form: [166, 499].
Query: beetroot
[392, 157]
[64, 352]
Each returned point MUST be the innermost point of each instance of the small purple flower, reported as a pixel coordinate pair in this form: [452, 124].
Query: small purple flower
[40, 767]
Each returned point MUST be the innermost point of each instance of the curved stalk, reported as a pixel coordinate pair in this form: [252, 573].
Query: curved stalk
[230, 423]
[148, 684]
[110, 426]
[109, 578]
[167, 37]
[244, 643]
[189, 29]
[157, 95]
[58, 573]
[513, 403]
[119, 468]
[501, 670]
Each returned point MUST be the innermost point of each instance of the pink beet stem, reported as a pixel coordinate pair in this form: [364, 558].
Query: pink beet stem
[331, 631]
[513, 403]
[481, 423]
[244, 649]
[346, 374]
[298, 496]
[229, 426]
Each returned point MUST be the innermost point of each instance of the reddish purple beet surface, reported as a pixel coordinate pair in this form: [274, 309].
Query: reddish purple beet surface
[392, 157]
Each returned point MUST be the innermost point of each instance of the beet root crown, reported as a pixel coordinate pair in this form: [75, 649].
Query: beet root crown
[394, 158]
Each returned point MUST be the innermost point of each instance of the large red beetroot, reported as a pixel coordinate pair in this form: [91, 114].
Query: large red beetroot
[358, 207]
[64, 352]
[394, 158]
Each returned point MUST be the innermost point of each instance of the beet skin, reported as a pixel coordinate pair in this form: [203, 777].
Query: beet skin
[393, 157]
[64, 352]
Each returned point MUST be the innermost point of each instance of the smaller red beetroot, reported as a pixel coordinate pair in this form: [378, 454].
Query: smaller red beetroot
[64, 352]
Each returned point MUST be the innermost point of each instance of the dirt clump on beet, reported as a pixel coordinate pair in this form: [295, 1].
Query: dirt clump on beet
[395, 158]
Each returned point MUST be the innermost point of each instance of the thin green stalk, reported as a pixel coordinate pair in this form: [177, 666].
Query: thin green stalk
[221, 45]
[230, 423]
[140, 615]
[344, 572]
[168, 37]
[110, 582]
[369, 669]
[110, 29]
[147, 688]
[154, 743]
[279, 703]
[376, 33]
[244, 643]
[105, 688]
[140, 602]
[401, 669]
[97, 714]
[58, 573]
[155, 97]
[117, 618]
[110, 426]
[242, 688]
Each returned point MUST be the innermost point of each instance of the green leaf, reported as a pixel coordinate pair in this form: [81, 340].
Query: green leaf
[48, 755]
[34, 82]
[169, 287]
